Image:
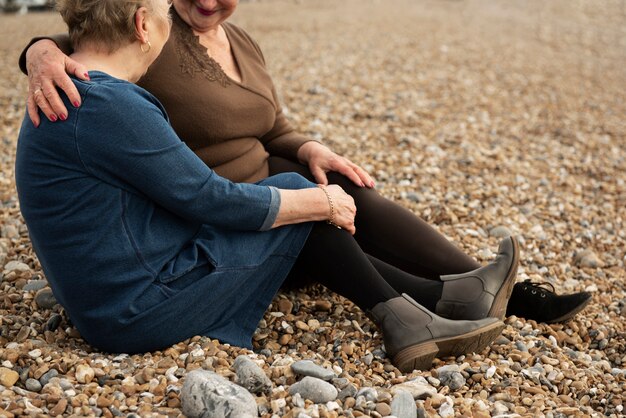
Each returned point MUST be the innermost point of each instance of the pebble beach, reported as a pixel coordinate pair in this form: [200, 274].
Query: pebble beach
[485, 118]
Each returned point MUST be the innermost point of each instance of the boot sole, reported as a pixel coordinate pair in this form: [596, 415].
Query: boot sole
[420, 356]
[501, 300]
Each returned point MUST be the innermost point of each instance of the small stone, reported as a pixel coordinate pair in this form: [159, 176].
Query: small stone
[297, 400]
[587, 258]
[323, 305]
[59, 408]
[36, 353]
[491, 371]
[308, 368]
[367, 359]
[451, 376]
[284, 339]
[285, 306]
[383, 409]
[340, 382]
[446, 410]
[54, 322]
[369, 394]
[278, 405]
[35, 285]
[45, 378]
[207, 394]
[418, 388]
[347, 392]
[403, 405]
[33, 385]
[45, 298]
[500, 231]
[8, 377]
[314, 389]
[84, 373]
[15, 266]
[251, 376]
[23, 334]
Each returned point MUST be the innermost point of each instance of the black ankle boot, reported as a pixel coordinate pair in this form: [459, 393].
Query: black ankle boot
[532, 301]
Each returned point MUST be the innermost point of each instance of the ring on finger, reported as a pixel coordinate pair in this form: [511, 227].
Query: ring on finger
[37, 90]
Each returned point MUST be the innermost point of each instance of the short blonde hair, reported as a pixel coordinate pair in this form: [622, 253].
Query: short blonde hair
[106, 24]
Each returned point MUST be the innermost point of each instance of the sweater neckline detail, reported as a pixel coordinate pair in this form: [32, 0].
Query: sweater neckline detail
[194, 57]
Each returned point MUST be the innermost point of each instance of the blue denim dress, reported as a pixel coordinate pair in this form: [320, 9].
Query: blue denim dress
[141, 242]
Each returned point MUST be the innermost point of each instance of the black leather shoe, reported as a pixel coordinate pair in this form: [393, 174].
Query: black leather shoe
[532, 301]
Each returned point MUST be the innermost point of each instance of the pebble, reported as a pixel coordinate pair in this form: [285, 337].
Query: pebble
[349, 391]
[33, 385]
[8, 377]
[418, 388]
[369, 394]
[45, 298]
[309, 368]
[45, 378]
[588, 258]
[84, 373]
[403, 405]
[500, 231]
[207, 394]
[446, 410]
[451, 376]
[314, 389]
[35, 285]
[251, 376]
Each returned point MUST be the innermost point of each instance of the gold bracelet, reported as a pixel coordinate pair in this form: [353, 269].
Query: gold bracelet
[331, 218]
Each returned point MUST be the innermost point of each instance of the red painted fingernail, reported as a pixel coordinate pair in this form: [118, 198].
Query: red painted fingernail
[36, 124]
[53, 118]
[62, 116]
[372, 184]
[86, 75]
[76, 104]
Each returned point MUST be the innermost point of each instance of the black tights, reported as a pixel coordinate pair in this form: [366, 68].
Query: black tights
[392, 233]
[333, 258]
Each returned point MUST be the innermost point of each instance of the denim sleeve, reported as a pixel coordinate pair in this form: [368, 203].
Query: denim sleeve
[126, 140]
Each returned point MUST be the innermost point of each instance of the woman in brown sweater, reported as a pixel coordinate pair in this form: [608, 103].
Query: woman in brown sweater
[211, 78]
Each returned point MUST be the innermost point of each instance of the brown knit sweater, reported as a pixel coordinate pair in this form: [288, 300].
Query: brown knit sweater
[233, 127]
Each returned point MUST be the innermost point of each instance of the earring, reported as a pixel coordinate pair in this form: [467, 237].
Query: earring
[145, 51]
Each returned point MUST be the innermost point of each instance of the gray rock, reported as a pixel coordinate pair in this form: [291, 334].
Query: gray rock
[348, 391]
[340, 382]
[314, 389]
[451, 376]
[418, 388]
[208, 395]
[308, 368]
[45, 299]
[500, 231]
[369, 394]
[35, 285]
[587, 258]
[45, 378]
[33, 385]
[368, 358]
[251, 376]
[403, 405]
[521, 346]
[446, 410]
[54, 322]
